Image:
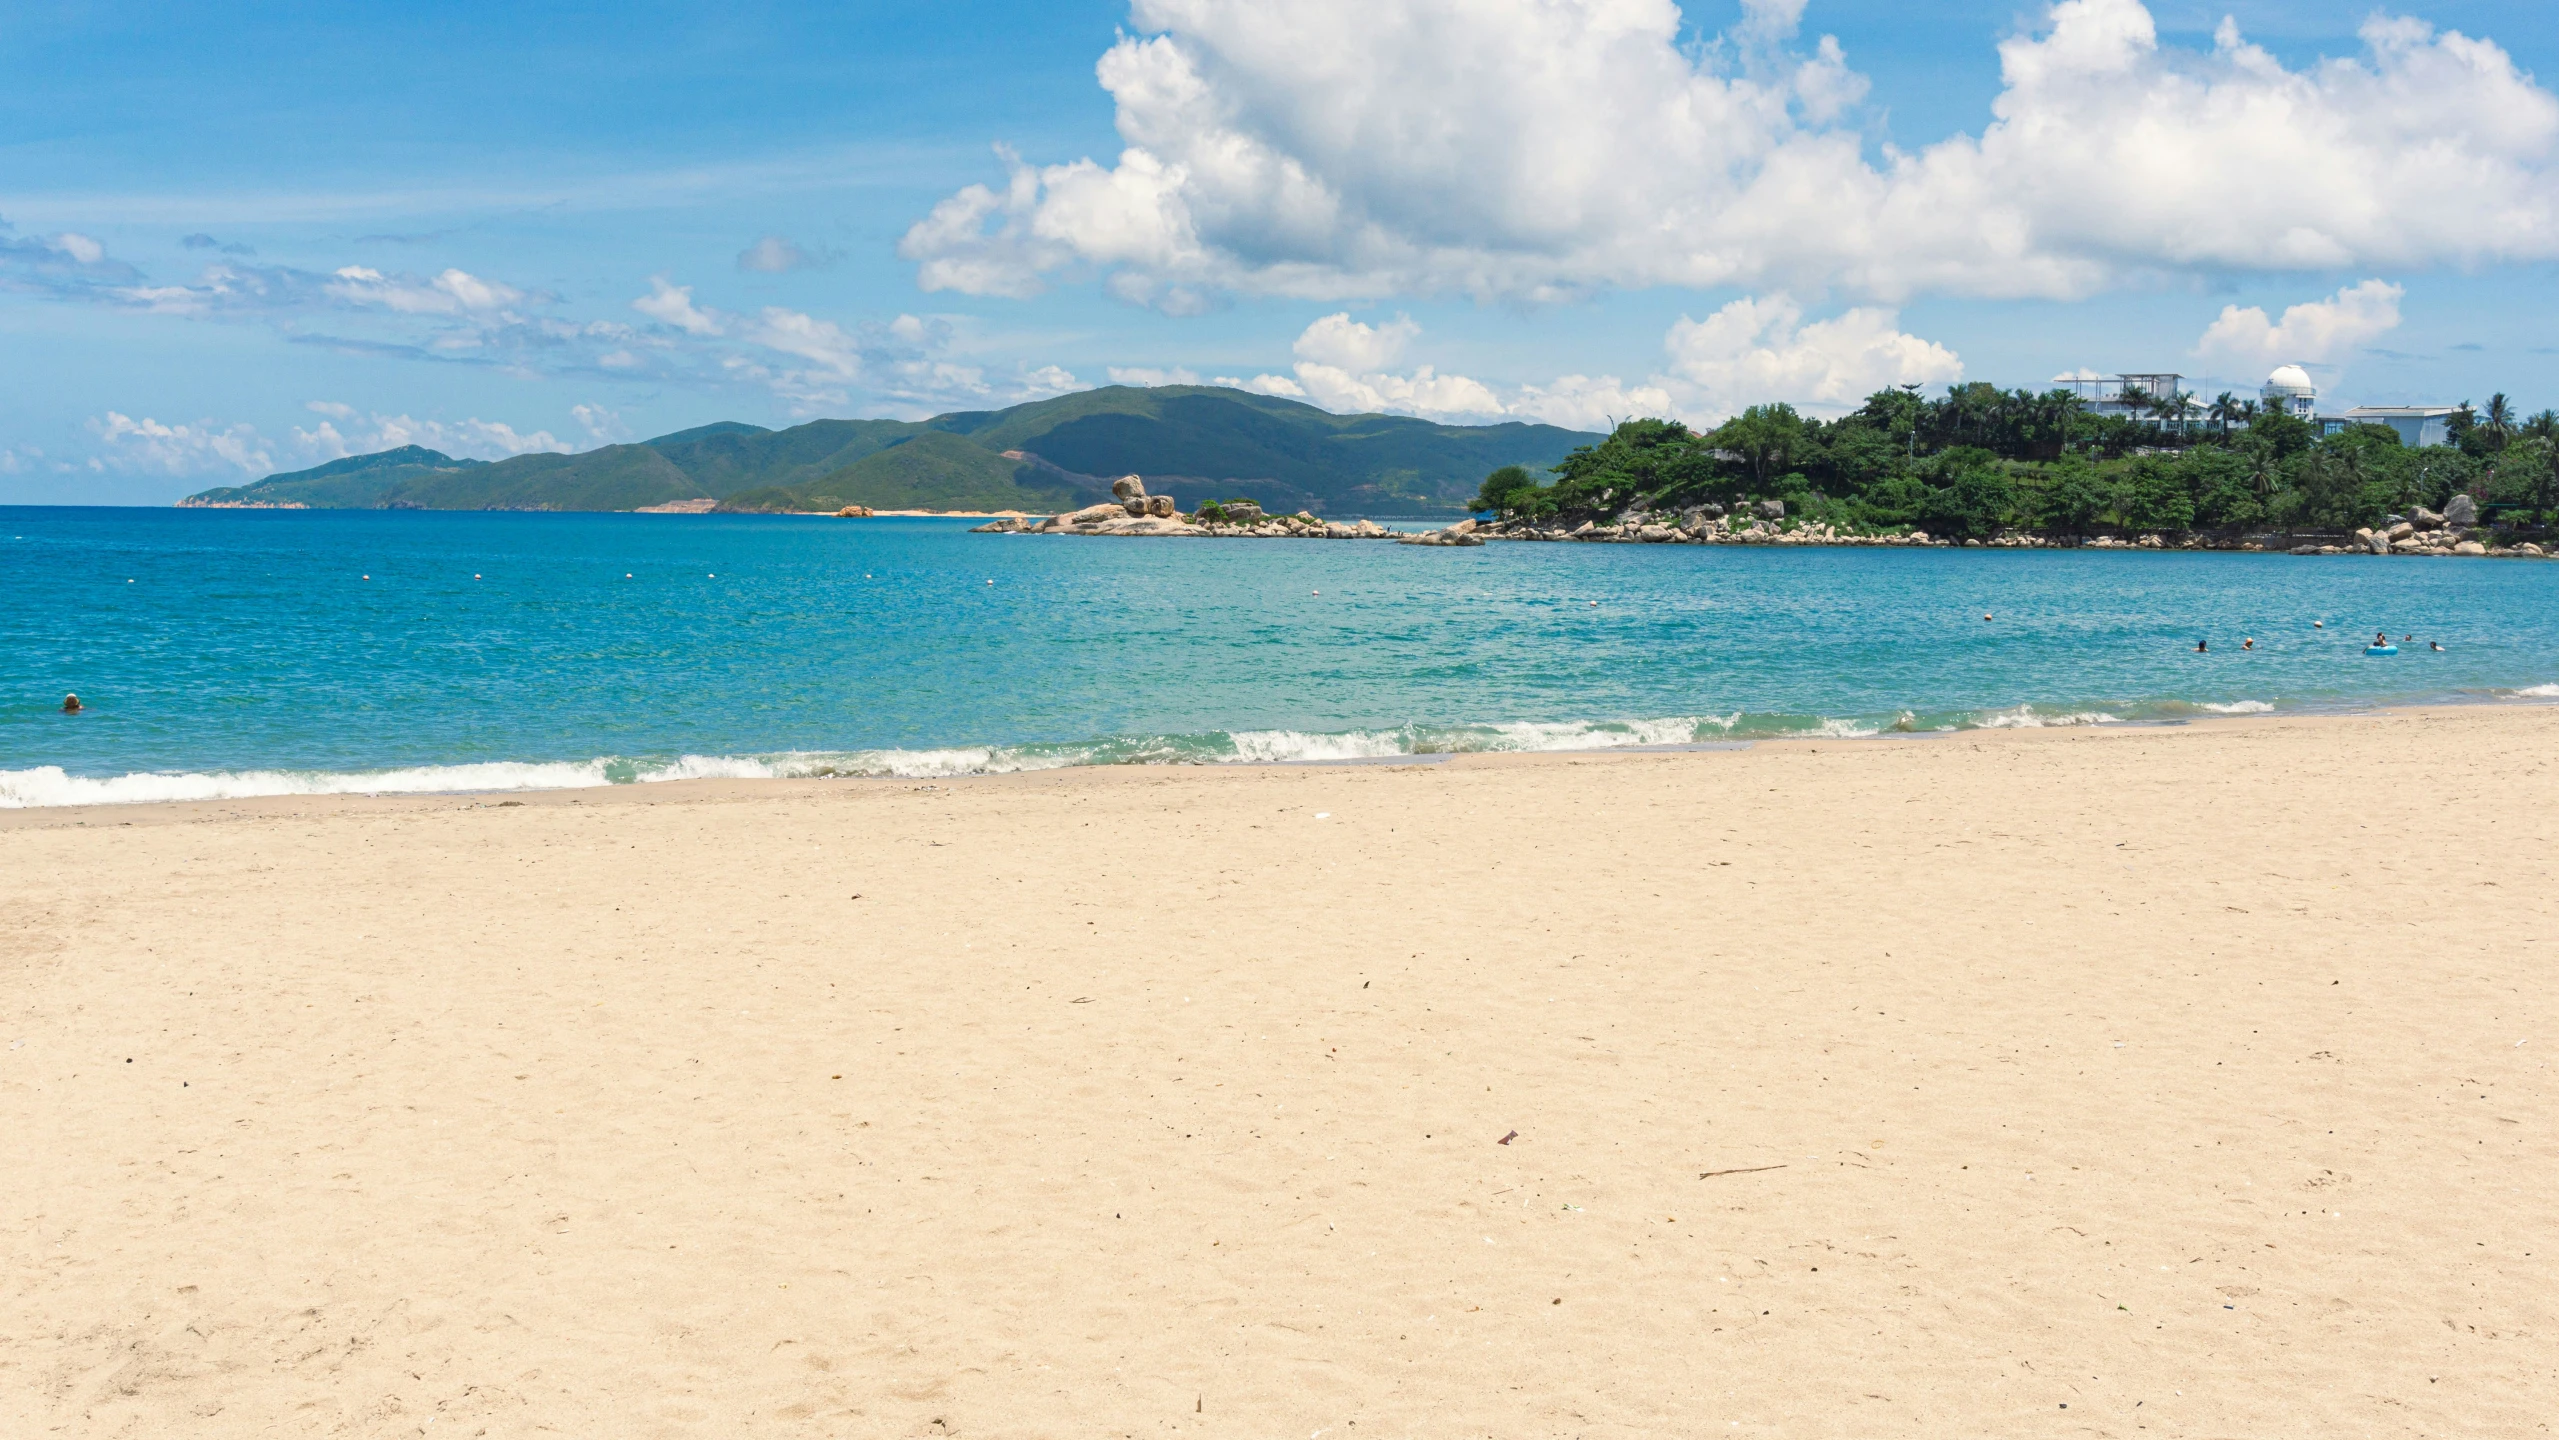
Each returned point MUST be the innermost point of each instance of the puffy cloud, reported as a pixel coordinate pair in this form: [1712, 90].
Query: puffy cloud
[80, 248]
[773, 255]
[347, 431]
[148, 445]
[1149, 375]
[1483, 145]
[1757, 350]
[2315, 331]
[1753, 351]
[1338, 340]
[673, 305]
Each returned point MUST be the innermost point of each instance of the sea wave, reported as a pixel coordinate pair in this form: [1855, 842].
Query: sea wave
[49, 785]
[2537, 692]
[2029, 717]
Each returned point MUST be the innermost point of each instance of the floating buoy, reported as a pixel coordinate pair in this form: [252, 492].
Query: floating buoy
[475, 577]
[368, 577]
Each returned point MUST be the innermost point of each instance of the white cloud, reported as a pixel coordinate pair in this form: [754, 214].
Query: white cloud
[80, 248]
[673, 305]
[774, 255]
[148, 445]
[2315, 331]
[347, 431]
[1753, 351]
[1338, 340]
[455, 292]
[602, 426]
[1337, 149]
[1149, 375]
[1758, 350]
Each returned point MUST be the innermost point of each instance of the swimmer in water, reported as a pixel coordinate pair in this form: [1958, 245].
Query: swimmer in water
[2248, 643]
[71, 705]
[2201, 647]
[2436, 646]
[2380, 639]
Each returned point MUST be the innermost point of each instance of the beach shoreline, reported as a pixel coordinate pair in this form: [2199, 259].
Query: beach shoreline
[2177, 1075]
[654, 789]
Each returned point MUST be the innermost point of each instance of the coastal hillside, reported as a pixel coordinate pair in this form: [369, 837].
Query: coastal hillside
[1193, 442]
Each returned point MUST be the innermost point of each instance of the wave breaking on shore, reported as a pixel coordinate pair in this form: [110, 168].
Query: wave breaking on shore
[50, 785]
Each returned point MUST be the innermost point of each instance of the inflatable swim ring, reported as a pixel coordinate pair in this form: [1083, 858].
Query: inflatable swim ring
[2381, 649]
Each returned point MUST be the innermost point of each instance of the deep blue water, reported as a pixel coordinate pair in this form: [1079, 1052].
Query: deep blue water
[580, 649]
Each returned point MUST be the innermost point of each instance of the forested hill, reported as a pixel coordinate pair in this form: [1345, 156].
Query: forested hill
[1193, 442]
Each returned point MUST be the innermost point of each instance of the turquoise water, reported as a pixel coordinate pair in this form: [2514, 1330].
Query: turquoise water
[246, 652]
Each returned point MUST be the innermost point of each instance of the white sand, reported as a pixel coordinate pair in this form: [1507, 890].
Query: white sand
[2195, 1080]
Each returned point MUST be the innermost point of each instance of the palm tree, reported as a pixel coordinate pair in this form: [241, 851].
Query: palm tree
[2225, 408]
[2174, 407]
[2497, 422]
[2543, 425]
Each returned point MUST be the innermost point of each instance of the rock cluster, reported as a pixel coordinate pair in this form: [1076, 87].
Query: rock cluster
[1134, 512]
[1461, 533]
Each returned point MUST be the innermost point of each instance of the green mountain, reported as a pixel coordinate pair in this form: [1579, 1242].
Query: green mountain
[1190, 441]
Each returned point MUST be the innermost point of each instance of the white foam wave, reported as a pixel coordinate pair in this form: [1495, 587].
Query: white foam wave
[2541, 692]
[2027, 717]
[50, 785]
[2248, 707]
[1279, 747]
[1843, 730]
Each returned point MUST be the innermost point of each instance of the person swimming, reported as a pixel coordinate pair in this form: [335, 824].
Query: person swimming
[2248, 642]
[2435, 645]
[2202, 648]
[2380, 639]
[71, 705]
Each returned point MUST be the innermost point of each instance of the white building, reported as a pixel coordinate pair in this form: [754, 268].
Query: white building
[2417, 424]
[2129, 396]
[2289, 392]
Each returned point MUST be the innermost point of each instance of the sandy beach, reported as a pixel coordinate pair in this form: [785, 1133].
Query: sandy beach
[2184, 1081]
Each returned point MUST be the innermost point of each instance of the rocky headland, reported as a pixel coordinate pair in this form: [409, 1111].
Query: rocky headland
[2455, 532]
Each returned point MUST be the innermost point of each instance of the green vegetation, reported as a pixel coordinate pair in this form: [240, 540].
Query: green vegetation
[1978, 461]
[1047, 455]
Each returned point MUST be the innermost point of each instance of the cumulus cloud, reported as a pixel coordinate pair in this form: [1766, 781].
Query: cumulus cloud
[774, 255]
[2314, 331]
[1151, 375]
[1483, 146]
[673, 305]
[345, 430]
[455, 292]
[147, 445]
[1753, 351]
[1758, 349]
[602, 426]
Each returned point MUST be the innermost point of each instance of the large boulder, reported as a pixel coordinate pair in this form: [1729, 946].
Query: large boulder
[1090, 515]
[2401, 531]
[2461, 511]
[1160, 506]
[2422, 518]
[1772, 509]
[1127, 488]
[2376, 541]
[2469, 547]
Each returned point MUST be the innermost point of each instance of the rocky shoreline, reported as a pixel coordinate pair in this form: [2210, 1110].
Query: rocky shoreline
[1134, 512]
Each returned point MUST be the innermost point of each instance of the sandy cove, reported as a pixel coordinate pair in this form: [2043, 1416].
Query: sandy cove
[2196, 1080]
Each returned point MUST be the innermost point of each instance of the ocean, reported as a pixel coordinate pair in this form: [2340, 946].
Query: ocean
[234, 653]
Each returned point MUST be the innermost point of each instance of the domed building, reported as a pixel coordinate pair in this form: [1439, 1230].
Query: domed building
[2289, 392]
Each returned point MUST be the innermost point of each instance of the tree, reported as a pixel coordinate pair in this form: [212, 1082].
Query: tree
[1767, 437]
[2226, 408]
[2156, 496]
[2071, 498]
[1510, 490]
[2497, 422]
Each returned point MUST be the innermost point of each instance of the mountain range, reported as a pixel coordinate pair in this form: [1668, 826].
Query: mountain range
[1193, 442]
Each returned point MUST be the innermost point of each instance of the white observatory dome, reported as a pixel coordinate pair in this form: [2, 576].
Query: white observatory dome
[2289, 380]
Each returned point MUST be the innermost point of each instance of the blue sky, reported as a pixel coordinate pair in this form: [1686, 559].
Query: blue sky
[251, 237]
